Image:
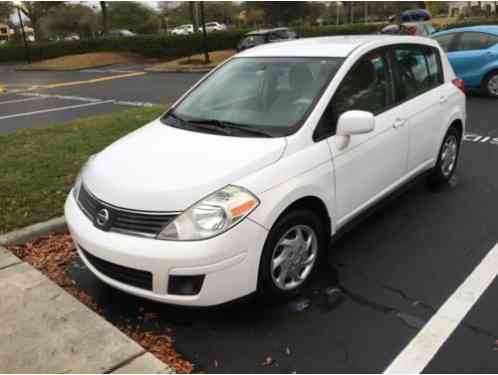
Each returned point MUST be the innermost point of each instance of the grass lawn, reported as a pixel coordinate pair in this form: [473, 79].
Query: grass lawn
[84, 61]
[38, 166]
[194, 62]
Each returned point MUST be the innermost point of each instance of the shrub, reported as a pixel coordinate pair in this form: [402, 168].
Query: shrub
[476, 22]
[163, 46]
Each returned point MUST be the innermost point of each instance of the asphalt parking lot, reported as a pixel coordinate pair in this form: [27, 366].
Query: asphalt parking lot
[39, 99]
[383, 283]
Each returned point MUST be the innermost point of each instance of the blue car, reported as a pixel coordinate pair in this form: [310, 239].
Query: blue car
[473, 54]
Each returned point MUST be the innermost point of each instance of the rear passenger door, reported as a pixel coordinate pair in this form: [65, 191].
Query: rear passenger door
[419, 80]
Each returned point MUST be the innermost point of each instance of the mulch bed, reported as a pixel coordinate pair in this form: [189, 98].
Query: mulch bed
[52, 254]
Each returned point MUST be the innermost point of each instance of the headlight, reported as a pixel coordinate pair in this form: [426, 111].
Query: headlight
[211, 216]
[79, 180]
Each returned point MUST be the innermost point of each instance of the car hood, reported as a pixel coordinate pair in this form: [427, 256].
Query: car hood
[161, 168]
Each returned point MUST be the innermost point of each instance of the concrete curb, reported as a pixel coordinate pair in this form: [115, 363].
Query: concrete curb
[47, 330]
[34, 231]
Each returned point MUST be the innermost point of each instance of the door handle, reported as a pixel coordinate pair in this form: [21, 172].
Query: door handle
[443, 99]
[398, 123]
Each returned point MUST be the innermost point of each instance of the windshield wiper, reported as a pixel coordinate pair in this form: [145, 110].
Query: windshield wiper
[211, 124]
[248, 129]
[224, 127]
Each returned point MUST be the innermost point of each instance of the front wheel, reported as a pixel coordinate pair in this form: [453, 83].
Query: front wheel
[448, 157]
[291, 254]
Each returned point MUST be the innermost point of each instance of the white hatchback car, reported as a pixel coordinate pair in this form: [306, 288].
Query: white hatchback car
[241, 184]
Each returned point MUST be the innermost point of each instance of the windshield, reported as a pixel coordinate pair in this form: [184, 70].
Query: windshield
[272, 94]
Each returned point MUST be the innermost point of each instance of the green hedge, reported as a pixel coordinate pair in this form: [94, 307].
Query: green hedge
[162, 46]
[350, 29]
[492, 21]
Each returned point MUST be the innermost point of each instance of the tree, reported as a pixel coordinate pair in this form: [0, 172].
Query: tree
[437, 7]
[134, 16]
[6, 10]
[281, 12]
[72, 18]
[35, 11]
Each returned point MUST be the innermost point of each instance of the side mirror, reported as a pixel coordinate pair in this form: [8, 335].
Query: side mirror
[353, 123]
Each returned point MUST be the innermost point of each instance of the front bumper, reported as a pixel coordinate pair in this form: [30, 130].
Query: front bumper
[229, 261]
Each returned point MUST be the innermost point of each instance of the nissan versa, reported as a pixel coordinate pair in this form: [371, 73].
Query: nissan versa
[239, 187]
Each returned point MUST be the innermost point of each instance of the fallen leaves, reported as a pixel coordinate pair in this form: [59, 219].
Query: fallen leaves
[51, 255]
[268, 361]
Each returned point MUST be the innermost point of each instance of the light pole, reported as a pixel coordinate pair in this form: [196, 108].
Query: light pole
[18, 5]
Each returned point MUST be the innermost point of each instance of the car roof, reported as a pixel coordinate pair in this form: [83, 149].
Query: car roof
[490, 29]
[266, 31]
[330, 46]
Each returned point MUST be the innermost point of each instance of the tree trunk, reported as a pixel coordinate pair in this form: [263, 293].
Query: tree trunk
[193, 19]
[204, 35]
[105, 18]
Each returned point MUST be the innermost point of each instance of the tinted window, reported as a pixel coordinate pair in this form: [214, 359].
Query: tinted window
[414, 76]
[473, 41]
[253, 40]
[367, 87]
[282, 34]
[436, 76]
[445, 41]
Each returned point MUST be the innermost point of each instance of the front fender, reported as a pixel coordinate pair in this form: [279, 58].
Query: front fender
[317, 183]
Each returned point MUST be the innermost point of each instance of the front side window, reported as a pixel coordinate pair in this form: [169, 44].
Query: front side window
[273, 94]
[473, 41]
[366, 87]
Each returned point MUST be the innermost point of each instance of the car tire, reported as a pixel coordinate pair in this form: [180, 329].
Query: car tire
[447, 157]
[490, 84]
[297, 240]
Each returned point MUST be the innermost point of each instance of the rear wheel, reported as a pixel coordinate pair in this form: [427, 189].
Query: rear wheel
[448, 157]
[291, 254]
[490, 84]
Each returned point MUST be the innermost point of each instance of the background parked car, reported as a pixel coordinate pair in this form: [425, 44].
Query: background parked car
[473, 54]
[183, 30]
[258, 37]
[121, 32]
[214, 26]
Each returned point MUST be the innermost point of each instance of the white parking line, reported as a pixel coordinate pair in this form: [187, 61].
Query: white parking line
[54, 109]
[87, 99]
[21, 100]
[476, 138]
[419, 352]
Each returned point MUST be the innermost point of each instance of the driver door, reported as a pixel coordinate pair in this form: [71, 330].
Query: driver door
[371, 164]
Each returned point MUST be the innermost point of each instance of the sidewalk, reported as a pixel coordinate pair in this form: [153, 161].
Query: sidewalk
[43, 329]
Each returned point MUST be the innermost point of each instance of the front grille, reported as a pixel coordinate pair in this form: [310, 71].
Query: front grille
[126, 275]
[121, 220]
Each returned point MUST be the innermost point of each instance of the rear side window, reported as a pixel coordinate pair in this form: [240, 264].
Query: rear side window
[418, 70]
[368, 86]
[445, 41]
[436, 76]
[469, 41]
